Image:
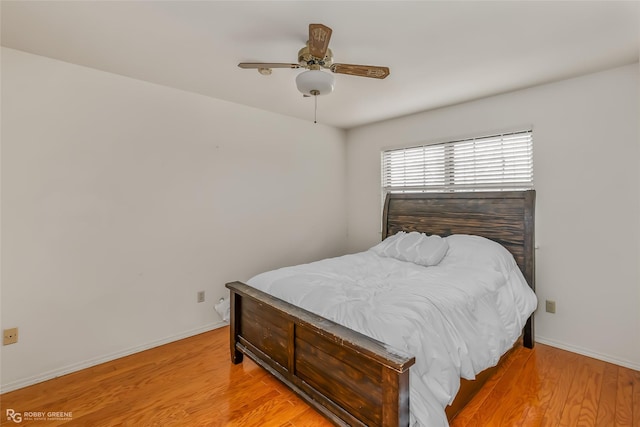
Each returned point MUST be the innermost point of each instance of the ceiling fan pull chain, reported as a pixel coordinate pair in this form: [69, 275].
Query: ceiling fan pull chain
[315, 93]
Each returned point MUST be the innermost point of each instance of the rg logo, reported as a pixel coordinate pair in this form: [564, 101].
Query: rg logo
[14, 416]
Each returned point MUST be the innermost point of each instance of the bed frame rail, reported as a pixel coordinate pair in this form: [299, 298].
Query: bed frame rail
[352, 379]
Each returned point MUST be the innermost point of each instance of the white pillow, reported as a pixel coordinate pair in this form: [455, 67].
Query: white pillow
[430, 250]
[414, 247]
[477, 251]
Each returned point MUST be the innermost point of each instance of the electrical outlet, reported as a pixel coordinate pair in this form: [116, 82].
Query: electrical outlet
[201, 296]
[10, 336]
[551, 306]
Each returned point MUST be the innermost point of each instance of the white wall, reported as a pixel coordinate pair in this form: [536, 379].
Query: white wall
[122, 199]
[586, 166]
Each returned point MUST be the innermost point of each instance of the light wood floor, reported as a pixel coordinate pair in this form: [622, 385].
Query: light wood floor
[192, 383]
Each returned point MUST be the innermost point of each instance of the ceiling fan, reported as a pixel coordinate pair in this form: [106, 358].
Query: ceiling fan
[315, 56]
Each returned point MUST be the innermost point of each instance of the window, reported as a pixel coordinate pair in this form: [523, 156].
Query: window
[490, 163]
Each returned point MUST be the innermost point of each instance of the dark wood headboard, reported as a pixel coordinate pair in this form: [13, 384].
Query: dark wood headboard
[506, 217]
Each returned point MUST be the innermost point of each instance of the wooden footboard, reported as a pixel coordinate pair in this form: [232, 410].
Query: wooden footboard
[350, 378]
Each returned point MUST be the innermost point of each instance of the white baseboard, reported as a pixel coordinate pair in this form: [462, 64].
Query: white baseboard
[589, 353]
[4, 388]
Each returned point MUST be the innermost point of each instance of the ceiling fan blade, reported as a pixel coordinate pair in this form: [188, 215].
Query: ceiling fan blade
[319, 36]
[372, 71]
[252, 65]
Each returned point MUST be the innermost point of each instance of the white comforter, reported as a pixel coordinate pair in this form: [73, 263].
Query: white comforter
[457, 318]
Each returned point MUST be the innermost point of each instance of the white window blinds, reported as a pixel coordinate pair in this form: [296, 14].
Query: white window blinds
[491, 163]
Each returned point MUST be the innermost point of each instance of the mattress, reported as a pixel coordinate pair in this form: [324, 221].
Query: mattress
[457, 317]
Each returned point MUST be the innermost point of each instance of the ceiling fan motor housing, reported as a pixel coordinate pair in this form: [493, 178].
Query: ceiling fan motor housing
[306, 60]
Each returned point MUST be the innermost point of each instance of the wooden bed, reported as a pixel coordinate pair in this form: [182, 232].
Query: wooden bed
[350, 378]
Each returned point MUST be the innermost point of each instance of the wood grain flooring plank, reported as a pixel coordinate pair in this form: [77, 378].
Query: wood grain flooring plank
[468, 412]
[493, 403]
[567, 363]
[515, 404]
[573, 404]
[549, 374]
[607, 403]
[636, 399]
[591, 398]
[310, 418]
[624, 398]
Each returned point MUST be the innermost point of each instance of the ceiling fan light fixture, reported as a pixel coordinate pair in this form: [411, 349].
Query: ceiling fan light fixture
[315, 82]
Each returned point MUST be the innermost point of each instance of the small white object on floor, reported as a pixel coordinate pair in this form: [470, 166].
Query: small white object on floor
[224, 309]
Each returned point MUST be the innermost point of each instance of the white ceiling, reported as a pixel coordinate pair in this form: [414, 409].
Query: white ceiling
[439, 53]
